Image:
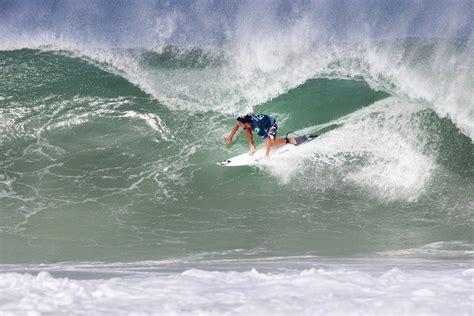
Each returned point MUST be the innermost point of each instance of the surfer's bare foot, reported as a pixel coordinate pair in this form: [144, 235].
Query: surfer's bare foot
[292, 141]
[252, 151]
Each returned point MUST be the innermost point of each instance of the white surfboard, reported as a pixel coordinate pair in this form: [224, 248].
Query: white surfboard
[259, 156]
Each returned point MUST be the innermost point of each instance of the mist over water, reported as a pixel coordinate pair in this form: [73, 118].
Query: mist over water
[111, 123]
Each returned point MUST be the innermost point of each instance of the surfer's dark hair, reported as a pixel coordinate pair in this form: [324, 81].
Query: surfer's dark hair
[244, 119]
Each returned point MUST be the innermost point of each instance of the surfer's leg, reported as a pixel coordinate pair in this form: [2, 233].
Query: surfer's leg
[272, 131]
[278, 141]
[281, 141]
[268, 144]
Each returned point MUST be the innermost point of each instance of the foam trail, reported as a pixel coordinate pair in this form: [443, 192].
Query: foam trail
[382, 140]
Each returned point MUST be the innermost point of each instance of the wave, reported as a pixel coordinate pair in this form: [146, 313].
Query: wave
[244, 54]
[119, 140]
[230, 80]
[235, 79]
[395, 125]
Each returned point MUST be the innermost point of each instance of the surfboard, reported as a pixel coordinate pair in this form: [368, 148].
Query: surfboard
[259, 156]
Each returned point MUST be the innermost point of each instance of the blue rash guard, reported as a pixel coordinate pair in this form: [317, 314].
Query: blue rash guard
[262, 123]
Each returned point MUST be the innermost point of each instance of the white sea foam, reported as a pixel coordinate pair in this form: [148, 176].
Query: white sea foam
[344, 288]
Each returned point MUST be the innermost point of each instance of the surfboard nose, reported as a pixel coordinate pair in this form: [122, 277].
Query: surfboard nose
[223, 163]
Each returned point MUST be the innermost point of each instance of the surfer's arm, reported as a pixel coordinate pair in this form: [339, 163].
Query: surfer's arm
[248, 135]
[234, 129]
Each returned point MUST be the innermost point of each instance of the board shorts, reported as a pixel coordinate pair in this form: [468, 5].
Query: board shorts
[272, 131]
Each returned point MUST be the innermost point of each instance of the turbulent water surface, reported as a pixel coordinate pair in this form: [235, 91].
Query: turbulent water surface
[111, 200]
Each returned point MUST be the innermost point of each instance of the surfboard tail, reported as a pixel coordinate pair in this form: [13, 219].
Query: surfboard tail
[305, 138]
[301, 139]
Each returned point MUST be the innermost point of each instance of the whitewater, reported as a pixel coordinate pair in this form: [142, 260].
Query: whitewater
[112, 118]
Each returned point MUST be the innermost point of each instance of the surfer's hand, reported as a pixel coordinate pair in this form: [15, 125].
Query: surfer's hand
[252, 150]
[228, 139]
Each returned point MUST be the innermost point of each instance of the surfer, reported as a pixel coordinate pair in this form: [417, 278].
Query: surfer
[265, 126]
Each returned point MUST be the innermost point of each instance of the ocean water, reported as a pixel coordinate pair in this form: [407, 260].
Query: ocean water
[111, 201]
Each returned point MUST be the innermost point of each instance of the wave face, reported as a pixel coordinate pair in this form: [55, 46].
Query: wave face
[84, 150]
[109, 135]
